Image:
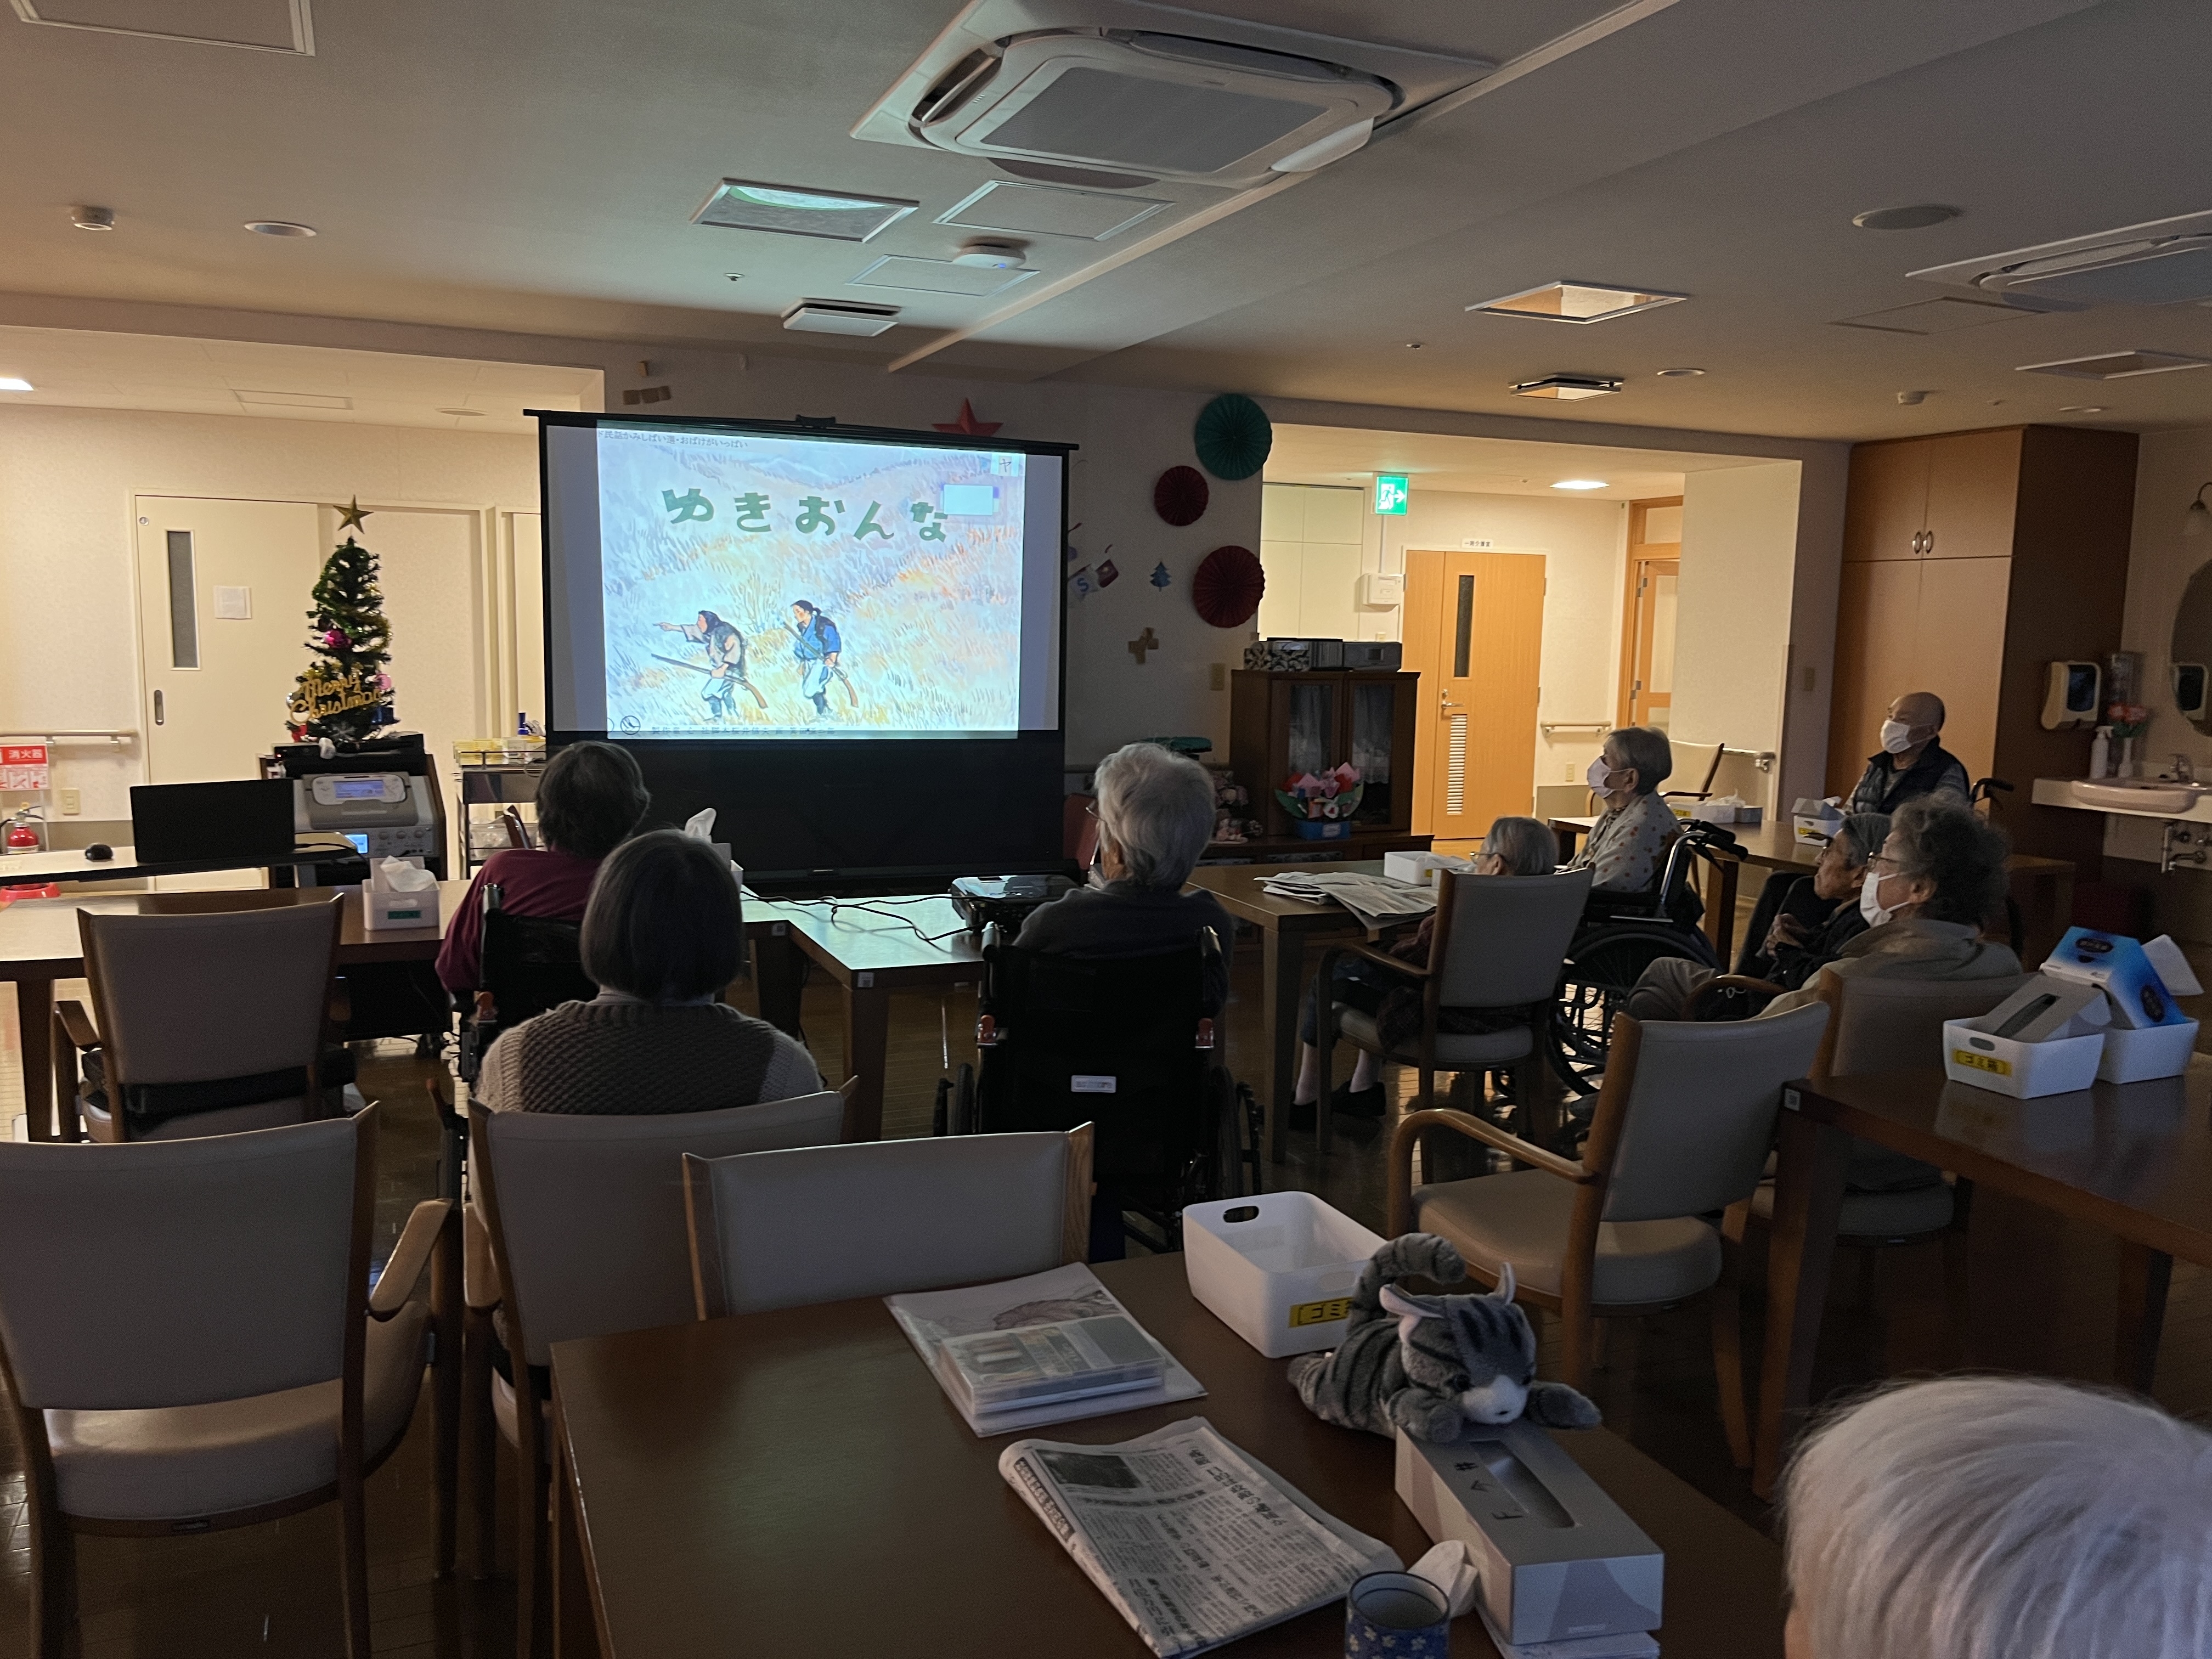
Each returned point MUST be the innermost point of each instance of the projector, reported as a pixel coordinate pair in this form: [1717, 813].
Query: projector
[982, 901]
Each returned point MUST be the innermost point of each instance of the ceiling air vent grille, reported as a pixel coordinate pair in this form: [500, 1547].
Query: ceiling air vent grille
[2116, 365]
[839, 317]
[253, 25]
[2162, 262]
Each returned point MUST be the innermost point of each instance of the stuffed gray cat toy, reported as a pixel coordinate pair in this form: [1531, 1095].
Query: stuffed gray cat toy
[1432, 1365]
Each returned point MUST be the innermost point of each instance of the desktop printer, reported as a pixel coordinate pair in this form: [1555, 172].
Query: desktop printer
[984, 901]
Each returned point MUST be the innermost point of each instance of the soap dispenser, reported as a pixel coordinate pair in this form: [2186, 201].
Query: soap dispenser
[2100, 753]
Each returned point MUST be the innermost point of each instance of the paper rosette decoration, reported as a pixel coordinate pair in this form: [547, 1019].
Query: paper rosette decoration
[1233, 436]
[1225, 589]
[1181, 495]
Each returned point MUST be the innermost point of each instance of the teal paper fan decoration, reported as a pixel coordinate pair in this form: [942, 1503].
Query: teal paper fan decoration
[1233, 436]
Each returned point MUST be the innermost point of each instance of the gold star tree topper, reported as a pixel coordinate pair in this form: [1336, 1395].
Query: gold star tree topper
[351, 514]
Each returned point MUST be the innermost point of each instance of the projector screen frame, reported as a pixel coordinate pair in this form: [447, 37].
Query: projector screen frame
[1021, 762]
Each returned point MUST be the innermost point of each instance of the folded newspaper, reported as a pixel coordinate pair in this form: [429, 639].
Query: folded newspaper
[1375, 902]
[1050, 1348]
[1193, 1541]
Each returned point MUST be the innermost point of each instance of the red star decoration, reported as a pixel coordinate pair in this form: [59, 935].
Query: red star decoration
[967, 425]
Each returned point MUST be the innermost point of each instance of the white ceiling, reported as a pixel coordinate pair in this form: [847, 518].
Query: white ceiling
[84, 370]
[486, 167]
[1485, 466]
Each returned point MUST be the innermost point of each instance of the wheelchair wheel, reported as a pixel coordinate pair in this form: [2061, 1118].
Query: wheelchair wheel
[1602, 967]
[960, 1116]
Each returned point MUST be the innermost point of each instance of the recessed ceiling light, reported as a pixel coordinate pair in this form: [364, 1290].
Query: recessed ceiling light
[1415, 345]
[1576, 302]
[1569, 388]
[93, 218]
[1918, 216]
[1580, 484]
[741, 204]
[10, 382]
[737, 275]
[465, 414]
[1678, 374]
[2082, 408]
[278, 227]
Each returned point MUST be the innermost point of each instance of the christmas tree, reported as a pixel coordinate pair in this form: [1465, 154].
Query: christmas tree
[345, 694]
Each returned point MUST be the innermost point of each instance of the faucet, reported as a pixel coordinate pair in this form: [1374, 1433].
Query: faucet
[2184, 772]
[2179, 835]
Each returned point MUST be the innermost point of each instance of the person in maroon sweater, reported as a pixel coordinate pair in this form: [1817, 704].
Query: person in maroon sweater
[591, 799]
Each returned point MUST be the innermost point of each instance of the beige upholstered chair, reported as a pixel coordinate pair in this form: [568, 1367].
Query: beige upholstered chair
[1683, 1126]
[189, 1342]
[207, 1023]
[581, 1233]
[783, 1230]
[1499, 943]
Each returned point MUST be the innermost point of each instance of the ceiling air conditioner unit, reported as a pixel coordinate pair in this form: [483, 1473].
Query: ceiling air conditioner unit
[2164, 262]
[1066, 90]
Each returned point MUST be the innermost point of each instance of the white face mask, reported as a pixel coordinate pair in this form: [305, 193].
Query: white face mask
[1870, 904]
[1597, 775]
[1896, 737]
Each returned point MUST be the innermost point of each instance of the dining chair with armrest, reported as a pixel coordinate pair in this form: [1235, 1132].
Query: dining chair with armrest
[578, 1228]
[207, 1023]
[189, 1342]
[1683, 1125]
[1499, 943]
[786, 1230]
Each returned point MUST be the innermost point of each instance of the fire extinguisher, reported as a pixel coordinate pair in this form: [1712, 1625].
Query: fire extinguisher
[23, 831]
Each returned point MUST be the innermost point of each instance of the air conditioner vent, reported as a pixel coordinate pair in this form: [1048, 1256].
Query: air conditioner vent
[2116, 365]
[2164, 262]
[255, 25]
[839, 317]
[1245, 103]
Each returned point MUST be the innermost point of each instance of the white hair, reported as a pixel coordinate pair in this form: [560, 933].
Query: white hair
[1524, 846]
[1987, 1517]
[1158, 807]
[1646, 749]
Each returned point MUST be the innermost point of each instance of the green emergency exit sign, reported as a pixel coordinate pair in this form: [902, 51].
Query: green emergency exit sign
[1391, 492]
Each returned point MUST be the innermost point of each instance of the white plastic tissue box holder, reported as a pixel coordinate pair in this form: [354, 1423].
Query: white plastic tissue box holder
[1975, 1055]
[1281, 1273]
[384, 906]
[1558, 1559]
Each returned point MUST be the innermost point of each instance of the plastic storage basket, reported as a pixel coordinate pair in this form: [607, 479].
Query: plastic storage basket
[1279, 1270]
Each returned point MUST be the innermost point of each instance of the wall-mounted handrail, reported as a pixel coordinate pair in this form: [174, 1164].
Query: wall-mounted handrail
[106, 734]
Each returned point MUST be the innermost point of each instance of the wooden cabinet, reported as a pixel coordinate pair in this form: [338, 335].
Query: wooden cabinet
[1283, 724]
[1970, 562]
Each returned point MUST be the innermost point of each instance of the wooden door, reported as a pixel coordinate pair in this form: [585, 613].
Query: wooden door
[1648, 695]
[222, 588]
[1475, 628]
[1973, 489]
[1878, 607]
[1888, 506]
[1958, 647]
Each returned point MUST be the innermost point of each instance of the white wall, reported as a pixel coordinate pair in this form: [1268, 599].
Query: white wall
[69, 652]
[1732, 639]
[1310, 546]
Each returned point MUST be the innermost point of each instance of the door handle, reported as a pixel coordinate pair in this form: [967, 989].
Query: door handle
[161, 714]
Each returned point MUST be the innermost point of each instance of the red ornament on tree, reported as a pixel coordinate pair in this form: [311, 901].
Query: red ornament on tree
[1181, 495]
[1226, 587]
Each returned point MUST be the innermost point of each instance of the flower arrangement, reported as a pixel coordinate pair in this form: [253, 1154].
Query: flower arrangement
[2127, 720]
[1326, 797]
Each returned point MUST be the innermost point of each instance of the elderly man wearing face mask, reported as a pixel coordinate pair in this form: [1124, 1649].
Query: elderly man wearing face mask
[1912, 765]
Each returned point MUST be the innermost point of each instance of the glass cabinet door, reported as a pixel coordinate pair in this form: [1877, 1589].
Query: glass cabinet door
[1374, 717]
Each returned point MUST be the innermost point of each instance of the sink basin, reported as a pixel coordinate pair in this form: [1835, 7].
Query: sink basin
[2135, 795]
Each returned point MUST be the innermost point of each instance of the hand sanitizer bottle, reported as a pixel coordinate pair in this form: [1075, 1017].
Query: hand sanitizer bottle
[2100, 753]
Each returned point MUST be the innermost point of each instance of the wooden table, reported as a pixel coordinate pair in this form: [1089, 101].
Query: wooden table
[39, 944]
[2134, 1160]
[796, 1482]
[866, 945]
[1285, 926]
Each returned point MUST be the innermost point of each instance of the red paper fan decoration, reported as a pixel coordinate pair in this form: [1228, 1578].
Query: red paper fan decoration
[1225, 589]
[1181, 495]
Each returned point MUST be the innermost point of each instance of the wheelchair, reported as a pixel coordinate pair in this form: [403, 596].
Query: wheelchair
[1126, 1045]
[529, 965]
[1621, 935]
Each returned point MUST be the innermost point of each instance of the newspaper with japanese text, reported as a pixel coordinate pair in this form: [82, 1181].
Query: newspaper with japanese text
[1193, 1541]
[1376, 901]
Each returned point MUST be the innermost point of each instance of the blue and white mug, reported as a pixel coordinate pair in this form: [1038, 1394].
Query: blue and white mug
[1396, 1615]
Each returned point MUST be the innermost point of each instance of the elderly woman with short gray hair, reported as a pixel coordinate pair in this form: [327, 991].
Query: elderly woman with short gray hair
[1999, 1518]
[1155, 816]
[1627, 847]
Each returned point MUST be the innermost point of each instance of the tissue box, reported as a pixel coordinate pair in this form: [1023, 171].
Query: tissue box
[1558, 1559]
[385, 907]
[1421, 867]
[1713, 811]
[2138, 1056]
[1812, 831]
[1279, 1269]
[1752, 815]
[1974, 1054]
[2122, 968]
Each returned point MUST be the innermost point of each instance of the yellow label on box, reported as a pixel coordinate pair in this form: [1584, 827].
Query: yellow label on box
[1319, 1313]
[1983, 1062]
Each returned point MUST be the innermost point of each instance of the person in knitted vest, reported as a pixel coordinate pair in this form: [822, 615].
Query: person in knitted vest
[662, 937]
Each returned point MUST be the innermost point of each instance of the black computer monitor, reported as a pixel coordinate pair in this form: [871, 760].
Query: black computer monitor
[236, 823]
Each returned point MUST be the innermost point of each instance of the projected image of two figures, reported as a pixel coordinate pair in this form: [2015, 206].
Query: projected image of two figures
[760, 588]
